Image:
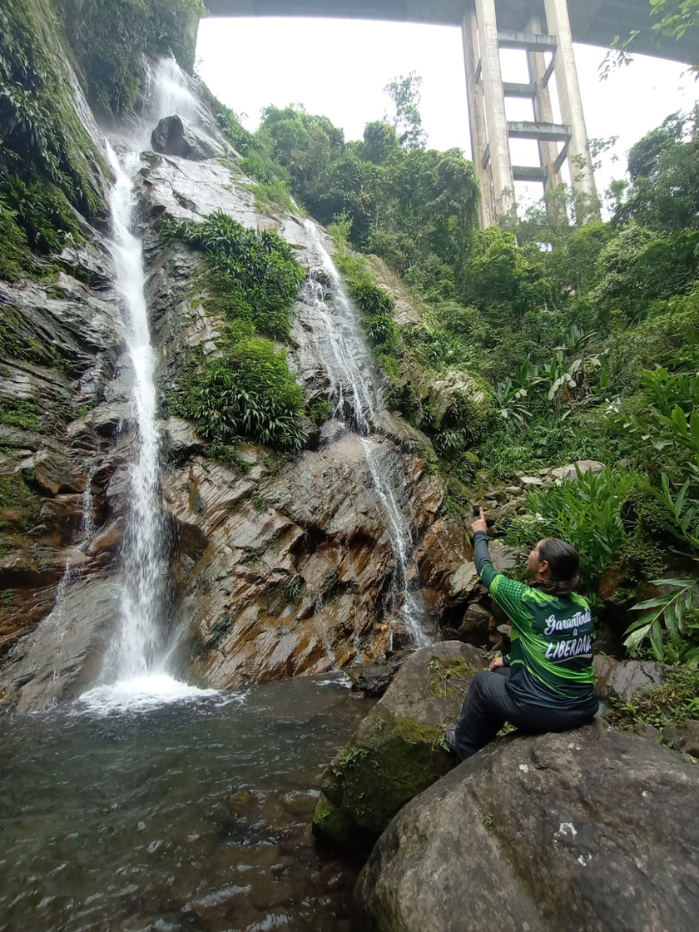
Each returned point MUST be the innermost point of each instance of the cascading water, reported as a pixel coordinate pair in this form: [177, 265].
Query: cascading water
[348, 365]
[134, 653]
[135, 660]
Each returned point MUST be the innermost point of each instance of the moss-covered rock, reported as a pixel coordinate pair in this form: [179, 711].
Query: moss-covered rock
[398, 750]
[44, 139]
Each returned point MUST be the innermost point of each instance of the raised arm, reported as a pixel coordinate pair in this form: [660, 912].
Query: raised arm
[506, 592]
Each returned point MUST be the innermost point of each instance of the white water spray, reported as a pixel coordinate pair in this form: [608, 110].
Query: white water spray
[134, 665]
[135, 651]
[348, 365]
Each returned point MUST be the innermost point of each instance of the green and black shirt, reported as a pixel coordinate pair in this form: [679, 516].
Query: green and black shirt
[551, 655]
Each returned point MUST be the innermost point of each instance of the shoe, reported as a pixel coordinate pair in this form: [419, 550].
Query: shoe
[450, 737]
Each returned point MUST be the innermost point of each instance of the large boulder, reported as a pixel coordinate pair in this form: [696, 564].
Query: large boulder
[457, 395]
[398, 750]
[627, 679]
[175, 136]
[574, 832]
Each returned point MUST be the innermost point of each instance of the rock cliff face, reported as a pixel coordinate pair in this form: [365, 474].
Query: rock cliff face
[278, 565]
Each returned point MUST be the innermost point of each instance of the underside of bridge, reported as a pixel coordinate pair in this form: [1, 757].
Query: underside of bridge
[594, 22]
[543, 29]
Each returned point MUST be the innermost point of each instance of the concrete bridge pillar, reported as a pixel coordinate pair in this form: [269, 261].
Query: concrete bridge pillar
[486, 91]
[543, 110]
[581, 171]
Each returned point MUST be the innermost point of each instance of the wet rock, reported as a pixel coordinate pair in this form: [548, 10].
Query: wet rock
[580, 831]
[176, 136]
[60, 657]
[408, 438]
[181, 439]
[286, 573]
[683, 736]
[372, 679]
[397, 750]
[531, 482]
[627, 679]
[647, 732]
[464, 582]
[475, 627]
[192, 194]
[109, 419]
[332, 430]
[405, 313]
[444, 549]
[504, 558]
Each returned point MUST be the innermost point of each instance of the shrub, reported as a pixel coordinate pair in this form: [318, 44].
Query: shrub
[253, 277]
[437, 348]
[585, 512]
[320, 410]
[249, 393]
[13, 245]
[273, 196]
[370, 299]
[42, 213]
[669, 336]
[23, 414]
[675, 701]
[42, 136]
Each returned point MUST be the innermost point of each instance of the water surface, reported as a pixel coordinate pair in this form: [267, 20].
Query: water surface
[193, 815]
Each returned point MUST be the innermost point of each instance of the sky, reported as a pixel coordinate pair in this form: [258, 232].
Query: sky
[339, 68]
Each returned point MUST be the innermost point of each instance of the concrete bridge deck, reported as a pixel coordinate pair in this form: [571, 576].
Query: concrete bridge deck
[593, 22]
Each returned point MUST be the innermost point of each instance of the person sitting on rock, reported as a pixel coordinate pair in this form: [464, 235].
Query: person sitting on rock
[546, 682]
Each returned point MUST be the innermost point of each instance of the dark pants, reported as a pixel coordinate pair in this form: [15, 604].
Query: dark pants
[488, 705]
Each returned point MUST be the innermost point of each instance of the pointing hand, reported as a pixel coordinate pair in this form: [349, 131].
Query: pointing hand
[480, 523]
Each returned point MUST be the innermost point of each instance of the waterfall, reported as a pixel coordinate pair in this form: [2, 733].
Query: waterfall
[134, 665]
[135, 651]
[349, 370]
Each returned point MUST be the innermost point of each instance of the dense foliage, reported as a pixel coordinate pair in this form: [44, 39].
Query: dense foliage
[249, 392]
[413, 206]
[47, 160]
[251, 280]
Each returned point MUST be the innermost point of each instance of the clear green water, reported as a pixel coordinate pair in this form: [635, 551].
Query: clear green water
[192, 816]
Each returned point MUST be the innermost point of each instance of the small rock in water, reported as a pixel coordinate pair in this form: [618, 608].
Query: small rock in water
[372, 679]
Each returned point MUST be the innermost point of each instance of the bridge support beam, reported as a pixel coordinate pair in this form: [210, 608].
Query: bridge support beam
[581, 171]
[543, 110]
[490, 130]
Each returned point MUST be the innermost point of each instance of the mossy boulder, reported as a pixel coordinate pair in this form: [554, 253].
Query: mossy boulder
[398, 750]
[459, 399]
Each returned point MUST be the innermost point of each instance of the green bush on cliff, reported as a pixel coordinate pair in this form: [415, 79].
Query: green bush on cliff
[249, 392]
[23, 414]
[41, 212]
[675, 701]
[14, 252]
[252, 277]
